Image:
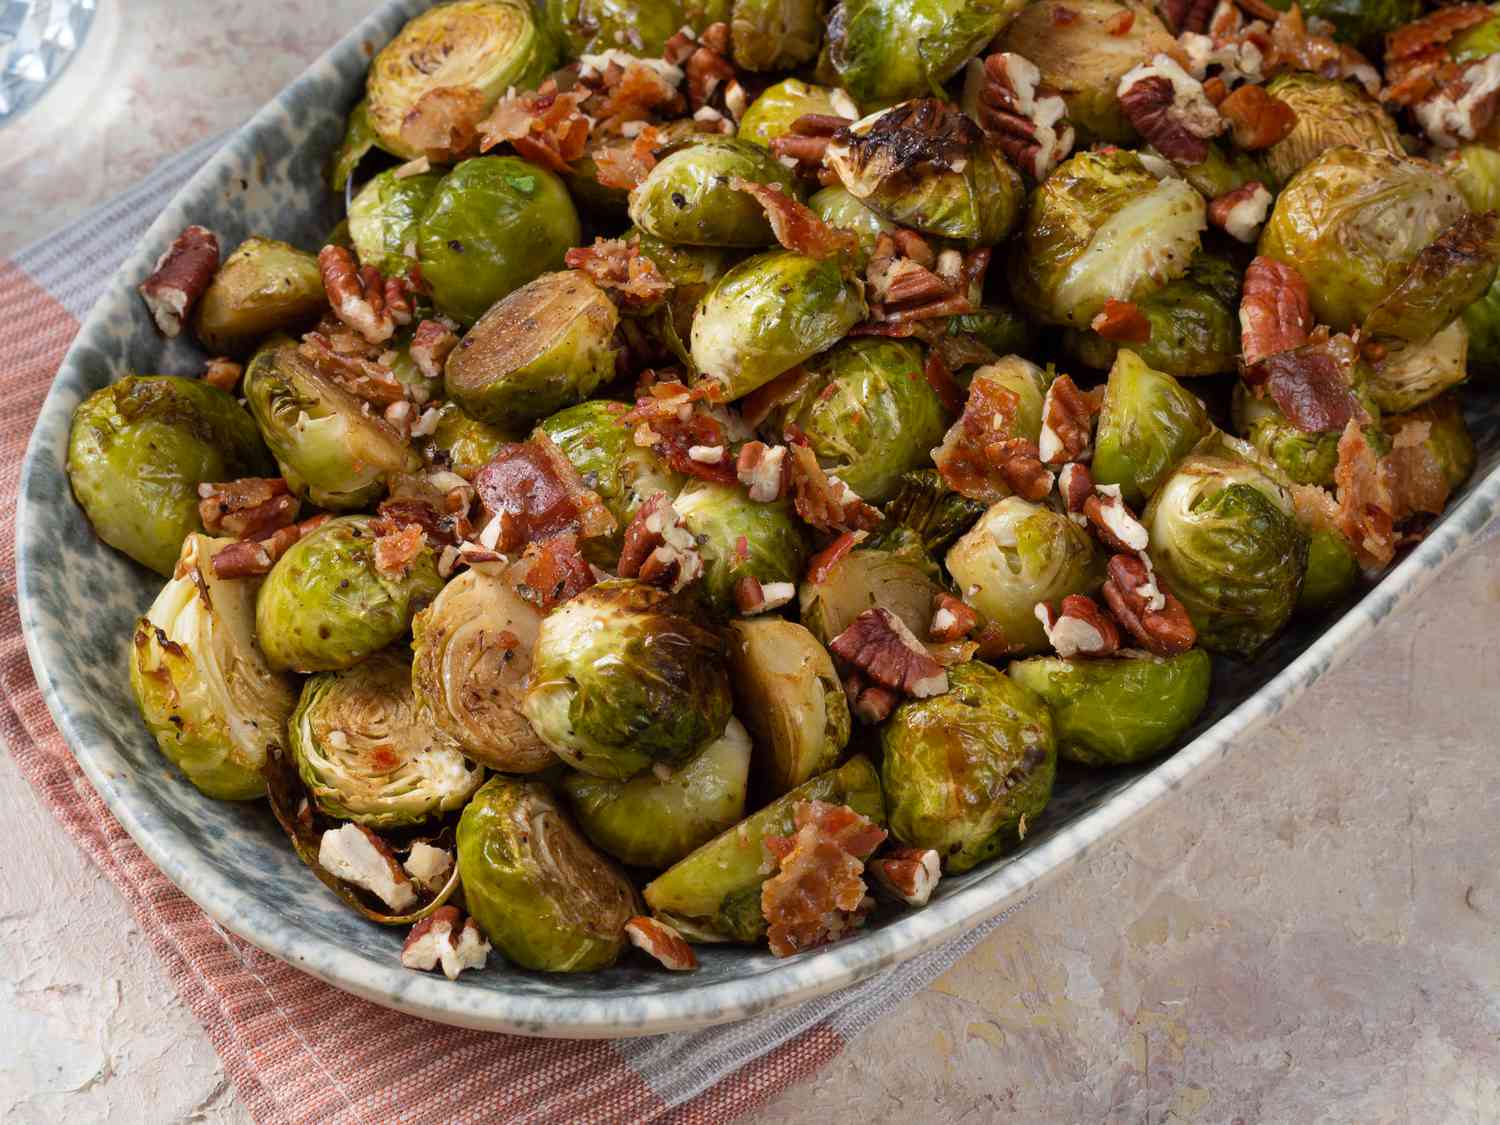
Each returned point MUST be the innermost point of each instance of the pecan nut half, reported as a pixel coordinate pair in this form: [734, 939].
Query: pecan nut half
[880, 645]
[1131, 592]
[181, 276]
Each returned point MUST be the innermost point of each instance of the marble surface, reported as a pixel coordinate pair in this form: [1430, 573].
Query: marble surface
[1308, 935]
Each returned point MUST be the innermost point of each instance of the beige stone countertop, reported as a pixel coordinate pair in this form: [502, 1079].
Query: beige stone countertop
[1310, 934]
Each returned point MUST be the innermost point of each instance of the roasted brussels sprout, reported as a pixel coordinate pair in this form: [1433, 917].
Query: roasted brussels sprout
[687, 199]
[999, 328]
[773, 112]
[1411, 374]
[653, 820]
[1103, 227]
[204, 690]
[1225, 542]
[868, 413]
[365, 754]
[842, 211]
[494, 223]
[967, 772]
[738, 538]
[1360, 22]
[1305, 458]
[1223, 170]
[459, 441]
[1476, 171]
[638, 27]
[1443, 281]
[384, 218]
[1329, 112]
[692, 270]
[623, 677]
[548, 345]
[1148, 424]
[1017, 555]
[714, 893]
[472, 650]
[776, 34]
[1481, 322]
[924, 503]
[1352, 222]
[925, 165]
[265, 286]
[1332, 571]
[768, 314]
[789, 692]
[546, 899]
[1448, 439]
[1120, 711]
[1081, 53]
[899, 577]
[359, 139]
[331, 449]
[326, 606]
[485, 46]
[139, 449]
[886, 50]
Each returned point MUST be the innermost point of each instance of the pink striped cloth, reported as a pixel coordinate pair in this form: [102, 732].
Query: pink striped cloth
[297, 1050]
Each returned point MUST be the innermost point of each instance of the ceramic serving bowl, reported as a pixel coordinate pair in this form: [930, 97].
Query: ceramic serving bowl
[79, 599]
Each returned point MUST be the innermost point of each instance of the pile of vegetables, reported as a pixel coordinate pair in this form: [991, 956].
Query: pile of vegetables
[734, 454]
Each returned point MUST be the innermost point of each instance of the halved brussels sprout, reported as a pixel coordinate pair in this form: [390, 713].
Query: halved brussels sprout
[473, 648]
[1441, 284]
[776, 34]
[789, 692]
[1120, 711]
[265, 286]
[899, 578]
[868, 413]
[1411, 374]
[1329, 112]
[546, 899]
[461, 442]
[325, 606]
[1332, 571]
[842, 211]
[739, 537]
[1017, 555]
[483, 45]
[365, 754]
[1305, 458]
[714, 894]
[1103, 227]
[546, 346]
[924, 165]
[968, 772]
[138, 450]
[623, 677]
[205, 692]
[1223, 170]
[1149, 423]
[331, 448]
[1352, 222]
[1448, 439]
[1082, 54]
[359, 139]
[886, 50]
[1225, 542]
[653, 820]
[494, 223]
[638, 27]
[385, 216]
[768, 314]
[774, 111]
[687, 199]
[1476, 171]
[925, 503]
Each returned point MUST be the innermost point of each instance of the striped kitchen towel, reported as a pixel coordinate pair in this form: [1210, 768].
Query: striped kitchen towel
[296, 1049]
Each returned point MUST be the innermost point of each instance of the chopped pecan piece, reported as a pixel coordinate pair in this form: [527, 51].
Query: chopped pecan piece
[1367, 510]
[825, 502]
[869, 702]
[751, 596]
[248, 508]
[444, 123]
[911, 874]
[1067, 422]
[547, 129]
[1131, 591]
[1417, 61]
[1122, 321]
[1079, 627]
[762, 469]
[1112, 520]
[181, 275]
[658, 549]
[795, 225]
[663, 943]
[364, 378]
[1187, 15]
[952, 620]
[707, 70]
[1168, 107]
[880, 645]
[431, 344]
[1025, 118]
[1294, 46]
[620, 268]
[248, 558]
[531, 491]
[223, 373]
[357, 297]
[445, 937]
[1256, 119]
[1275, 309]
[356, 855]
[1242, 212]
[818, 893]
[1075, 485]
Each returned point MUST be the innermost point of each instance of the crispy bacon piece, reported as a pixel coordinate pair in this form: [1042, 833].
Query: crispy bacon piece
[1308, 384]
[1292, 46]
[795, 224]
[535, 493]
[547, 129]
[397, 547]
[1417, 61]
[247, 508]
[181, 276]
[818, 893]
[441, 526]
[825, 502]
[1131, 591]
[1256, 119]
[1367, 510]
[620, 268]
[1068, 422]
[663, 943]
[821, 565]
[981, 458]
[672, 420]
[1275, 310]
[553, 571]
[637, 94]
[223, 373]
[658, 549]
[880, 645]
[444, 124]
[1122, 322]
[623, 167]
[431, 344]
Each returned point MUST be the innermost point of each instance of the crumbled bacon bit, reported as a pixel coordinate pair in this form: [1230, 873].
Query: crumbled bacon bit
[397, 548]
[880, 645]
[911, 874]
[1256, 119]
[1293, 45]
[1275, 310]
[821, 565]
[364, 378]
[825, 502]
[1168, 107]
[444, 123]
[441, 526]
[1367, 511]
[1079, 627]
[818, 893]
[981, 458]
[619, 267]
[1122, 321]
[673, 420]
[796, 226]
[431, 344]
[762, 469]
[535, 493]
[658, 549]
[1067, 422]
[248, 508]
[663, 943]
[1308, 383]
[181, 276]
[357, 297]
[623, 167]
[940, 378]
[1242, 212]
[952, 620]
[223, 373]
[1022, 115]
[1131, 590]
[547, 129]
[1417, 62]
[553, 571]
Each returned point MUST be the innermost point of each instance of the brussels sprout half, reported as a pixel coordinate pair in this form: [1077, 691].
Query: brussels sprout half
[1017, 555]
[925, 504]
[325, 606]
[639, 27]
[1120, 711]
[842, 211]
[653, 820]
[458, 441]
[738, 538]
[138, 450]
[900, 578]
[623, 677]
[205, 692]
[545, 898]
[1332, 572]
[967, 772]
[1448, 439]
[1329, 113]
[776, 34]
[483, 45]
[1476, 171]
[1305, 458]
[714, 893]
[359, 139]
[1148, 424]
[265, 286]
[1411, 374]
[886, 50]
[385, 216]
[494, 223]
[472, 656]
[687, 199]
[330, 448]
[777, 108]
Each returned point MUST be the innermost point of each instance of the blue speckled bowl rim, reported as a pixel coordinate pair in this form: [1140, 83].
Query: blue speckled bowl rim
[604, 1016]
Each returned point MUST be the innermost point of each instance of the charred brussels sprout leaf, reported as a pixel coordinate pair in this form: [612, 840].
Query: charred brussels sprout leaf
[968, 772]
[483, 45]
[886, 50]
[139, 449]
[204, 690]
[457, 440]
[365, 754]
[1447, 277]
[1118, 712]
[623, 677]
[384, 218]
[494, 223]
[1332, 572]
[548, 345]
[1329, 113]
[842, 211]
[265, 286]
[930, 508]
[359, 139]
[774, 111]
[999, 328]
[768, 314]
[1149, 423]
[325, 606]
[776, 34]
[897, 577]
[714, 894]
[654, 820]
[739, 538]
[1411, 374]
[687, 199]
[546, 899]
